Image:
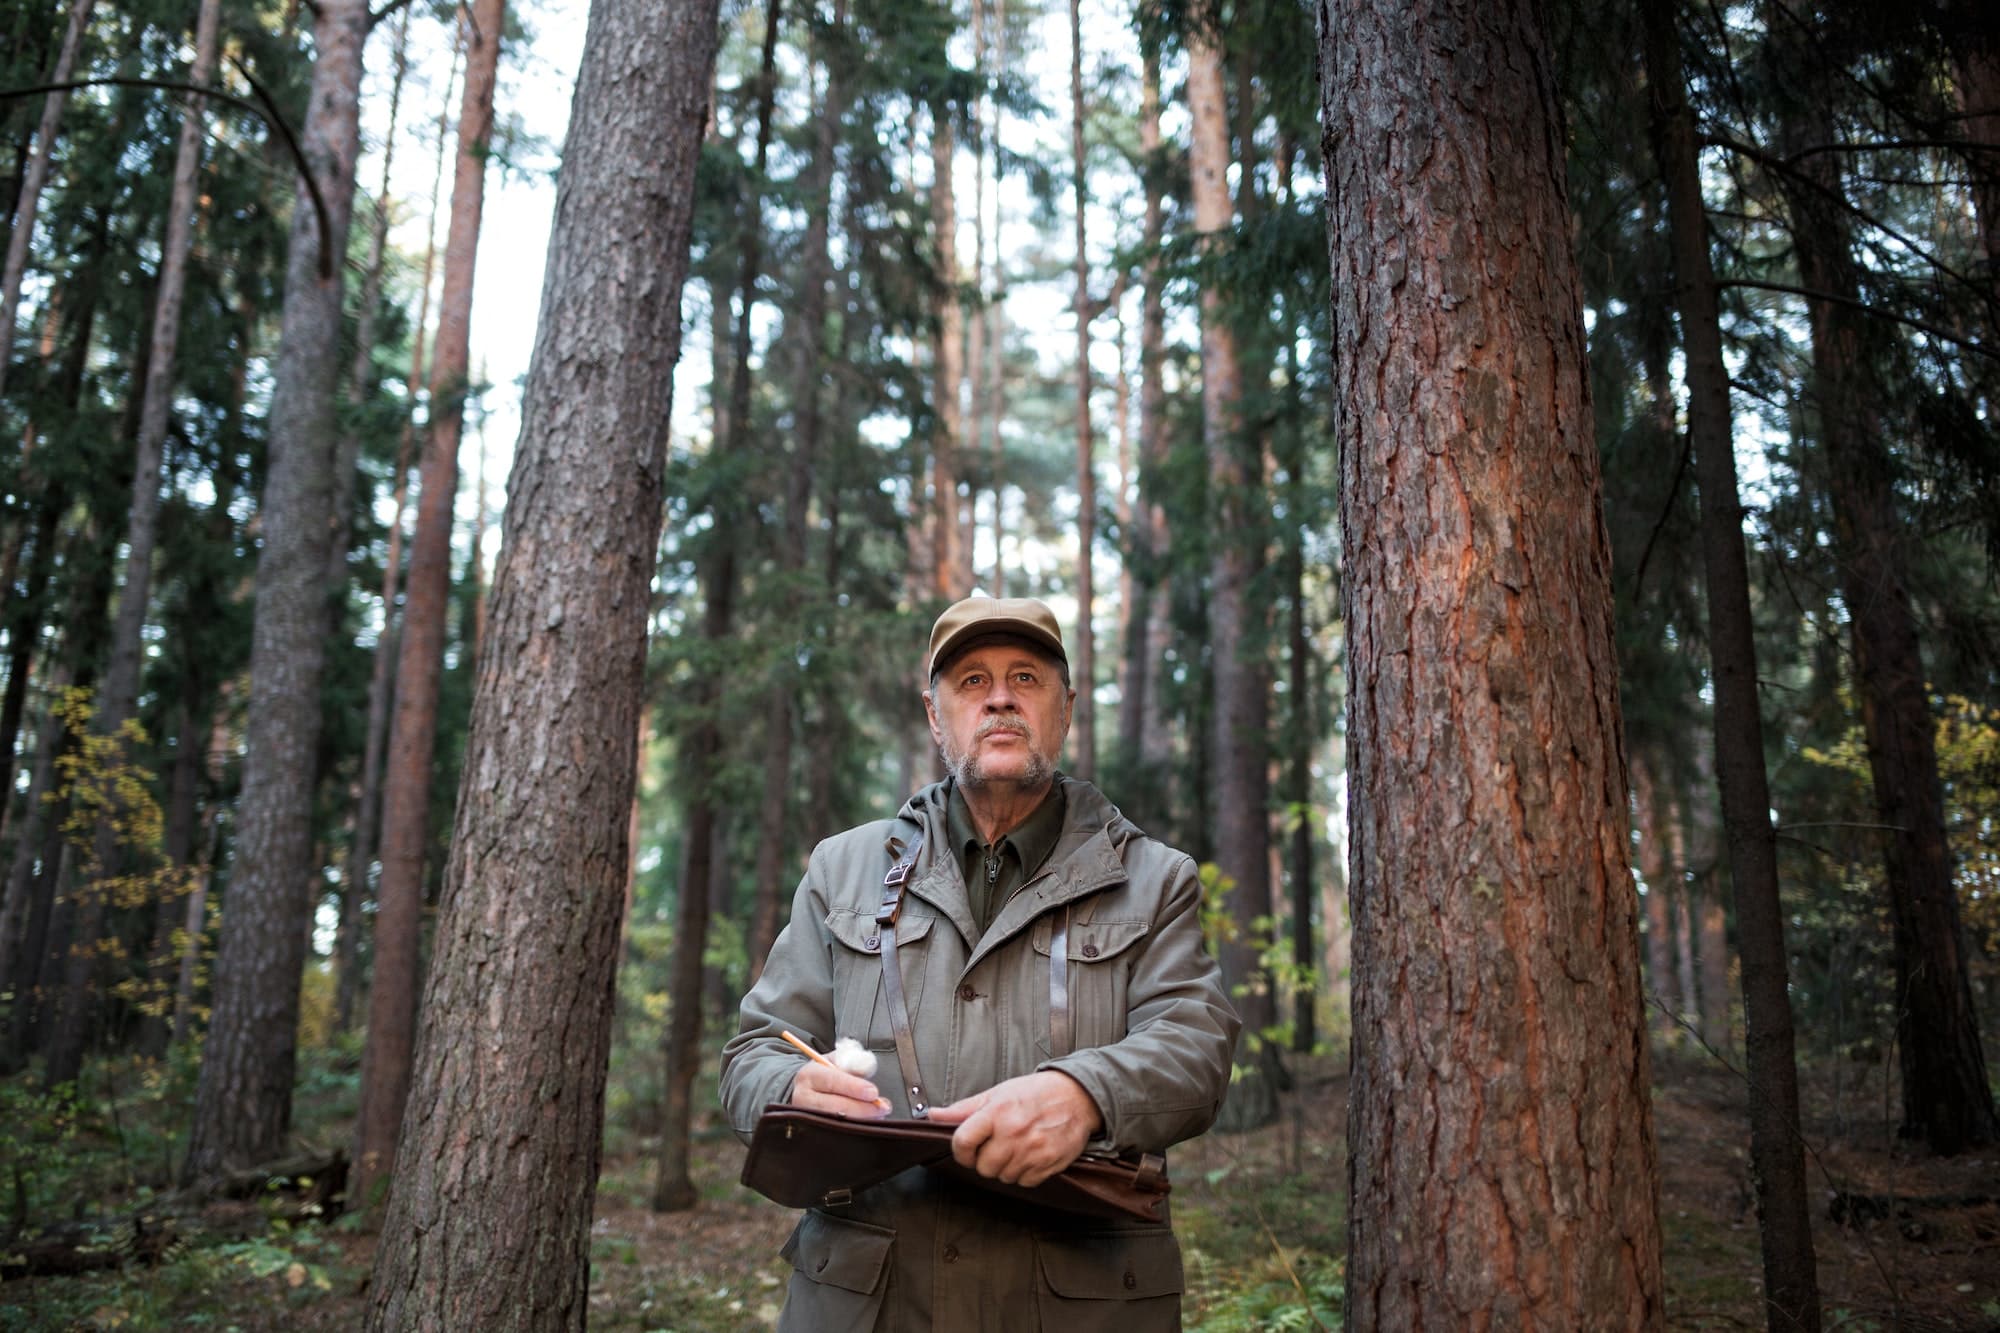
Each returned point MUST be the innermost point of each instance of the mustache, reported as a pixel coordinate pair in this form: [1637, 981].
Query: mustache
[1008, 724]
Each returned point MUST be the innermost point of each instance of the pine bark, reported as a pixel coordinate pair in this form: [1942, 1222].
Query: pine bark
[1502, 1165]
[393, 989]
[1240, 741]
[1946, 1098]
[489, 1224]
[1791, 1280]
[243, 1104]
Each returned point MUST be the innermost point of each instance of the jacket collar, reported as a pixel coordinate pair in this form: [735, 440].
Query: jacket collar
[1086, 860]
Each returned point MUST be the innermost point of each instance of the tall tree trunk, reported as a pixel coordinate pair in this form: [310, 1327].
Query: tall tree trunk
[382, 676]
[673, 1188]
[1500, 1102]
[243, 1104]
[489, 1226]
[1974, 42]
[1152, 637]
[118, 700]
[1083, 726]
[1946, 1098]
[949, 363]
[392, 991]
[1655, 814]
[1241, 745]
[777, 831]
[36, 177]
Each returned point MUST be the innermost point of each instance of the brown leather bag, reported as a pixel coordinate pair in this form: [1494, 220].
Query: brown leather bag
[815, 1159]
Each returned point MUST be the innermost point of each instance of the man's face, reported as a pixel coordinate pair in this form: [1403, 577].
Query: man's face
[999, 712]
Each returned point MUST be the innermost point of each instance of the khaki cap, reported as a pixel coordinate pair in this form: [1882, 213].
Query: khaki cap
[975, 616]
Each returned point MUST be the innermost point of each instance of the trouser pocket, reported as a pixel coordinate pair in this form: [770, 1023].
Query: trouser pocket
[1128, 1280]
[840, 1275]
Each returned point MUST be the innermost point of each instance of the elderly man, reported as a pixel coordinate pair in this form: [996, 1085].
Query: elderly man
[1044, 989]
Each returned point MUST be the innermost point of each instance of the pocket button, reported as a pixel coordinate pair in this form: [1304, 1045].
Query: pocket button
[1131, 1280]
[1090, 951]
[966, 993]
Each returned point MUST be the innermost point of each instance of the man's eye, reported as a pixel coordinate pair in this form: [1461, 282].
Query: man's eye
[1025, 677]
[974, 681]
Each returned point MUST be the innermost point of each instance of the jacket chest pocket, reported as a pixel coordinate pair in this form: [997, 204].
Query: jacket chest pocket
[859, 1009]
[1097, 978]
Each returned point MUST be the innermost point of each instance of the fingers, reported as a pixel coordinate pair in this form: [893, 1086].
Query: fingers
[1024, 1130]
[818, 1087]
[960, 1111]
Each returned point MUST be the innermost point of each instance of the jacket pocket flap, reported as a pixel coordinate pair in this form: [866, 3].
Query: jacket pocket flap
[1093, 941]
[858, 931]
[840, 1251]
[1110, 1265]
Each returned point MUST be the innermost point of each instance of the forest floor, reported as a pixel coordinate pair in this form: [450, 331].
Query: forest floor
[1904, 1242]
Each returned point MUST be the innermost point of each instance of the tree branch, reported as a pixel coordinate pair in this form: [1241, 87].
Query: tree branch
[263, 108]
[1972, 345]
[385, 11]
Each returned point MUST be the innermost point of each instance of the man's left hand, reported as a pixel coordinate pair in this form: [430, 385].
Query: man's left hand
[1022, 1131]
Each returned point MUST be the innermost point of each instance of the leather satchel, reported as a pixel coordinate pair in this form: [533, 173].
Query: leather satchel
[814, 1159]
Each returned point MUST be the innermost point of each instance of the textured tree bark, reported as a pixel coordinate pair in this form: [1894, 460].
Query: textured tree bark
[15, 267]
[1240, 741]
[399, 896]
[243, 1104]
[1791, 1279]
[1946, 1098]
[488, 1226]
[1502, 1164]
[1974, 43]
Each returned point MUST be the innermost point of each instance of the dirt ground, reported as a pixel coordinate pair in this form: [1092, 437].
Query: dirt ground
[1904, 1242]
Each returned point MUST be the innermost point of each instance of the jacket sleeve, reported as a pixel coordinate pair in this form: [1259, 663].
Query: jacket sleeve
[1164, 1080]
[795, 994]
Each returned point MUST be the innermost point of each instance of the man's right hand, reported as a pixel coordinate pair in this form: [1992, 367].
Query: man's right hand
[819, 1088]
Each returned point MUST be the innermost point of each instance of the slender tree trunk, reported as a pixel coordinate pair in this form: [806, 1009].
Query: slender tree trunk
[949, 358]
[777, 830]
[489, 1226]
[1242, 828]
[1655, 814]
[1155, 741]
[1299, 794]
[1946, 1098]
[243, 1105]
[673, 1189]
[37, 176]
[1974, 42]
[1083, 726]
[1500, 1103]
[392, 992]
[382, 677]
[119, 698]
[182, 827]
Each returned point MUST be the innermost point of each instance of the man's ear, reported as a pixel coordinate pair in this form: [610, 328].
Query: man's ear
[930, 713]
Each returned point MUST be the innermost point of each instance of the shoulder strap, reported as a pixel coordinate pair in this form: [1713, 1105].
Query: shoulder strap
[1060, 1039]
[892, 977]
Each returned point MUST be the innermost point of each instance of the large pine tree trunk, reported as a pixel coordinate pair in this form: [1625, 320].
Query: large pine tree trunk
[489, 1224]
[1502, 1156]
[26, 204]
[1790, 1278]
[243, 1105]
[1241, 745]
[392, 991]
[1946, 1099]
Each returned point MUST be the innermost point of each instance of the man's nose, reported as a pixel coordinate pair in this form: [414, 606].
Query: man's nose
[1000, 699]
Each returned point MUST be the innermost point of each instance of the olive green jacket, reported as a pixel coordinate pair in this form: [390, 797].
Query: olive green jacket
[1154, 1032]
